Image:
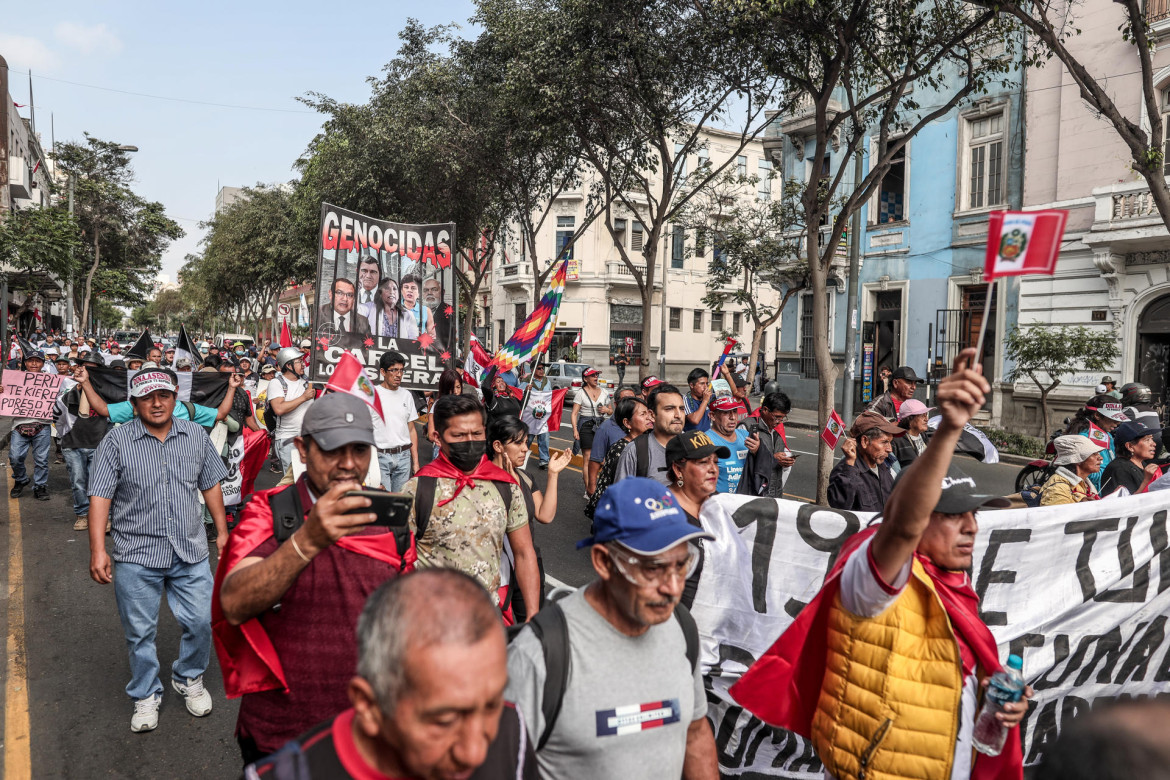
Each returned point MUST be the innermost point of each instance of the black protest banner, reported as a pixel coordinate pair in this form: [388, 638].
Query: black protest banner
[384, 286]
[1080, 592]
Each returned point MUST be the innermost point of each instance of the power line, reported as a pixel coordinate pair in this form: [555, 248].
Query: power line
[167, 97]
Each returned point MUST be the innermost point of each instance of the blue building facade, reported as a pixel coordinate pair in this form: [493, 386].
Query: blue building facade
[921, 296]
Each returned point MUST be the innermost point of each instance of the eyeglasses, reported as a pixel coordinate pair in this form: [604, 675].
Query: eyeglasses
[394, 370]
[652, 572]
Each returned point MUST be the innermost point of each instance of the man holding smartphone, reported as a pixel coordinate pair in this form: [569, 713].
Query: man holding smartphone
[293, 580]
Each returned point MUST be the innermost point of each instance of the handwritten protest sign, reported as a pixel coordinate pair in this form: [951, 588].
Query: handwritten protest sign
[1081, 592]
[29, 394]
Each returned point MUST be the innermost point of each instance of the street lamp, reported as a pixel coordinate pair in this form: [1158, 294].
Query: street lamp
[69, 282]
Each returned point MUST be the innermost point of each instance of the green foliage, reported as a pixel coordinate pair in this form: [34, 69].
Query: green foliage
[123, 234]
[1044, 354]
[1014, 443]
[35, 242]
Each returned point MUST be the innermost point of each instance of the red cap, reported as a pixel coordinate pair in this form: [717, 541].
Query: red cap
[727, 403]
[650, 381]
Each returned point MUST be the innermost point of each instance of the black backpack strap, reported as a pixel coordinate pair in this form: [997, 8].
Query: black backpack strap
[424, 501]
[642, 455]
[691, 631]
[552, 630]
[287, 513]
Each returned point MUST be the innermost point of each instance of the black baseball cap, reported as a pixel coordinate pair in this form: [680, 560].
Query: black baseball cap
[960, 494]
[907, 373]
[692, 445]
[1131, 431]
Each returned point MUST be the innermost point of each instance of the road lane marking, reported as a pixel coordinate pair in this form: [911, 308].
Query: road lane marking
[17, 756]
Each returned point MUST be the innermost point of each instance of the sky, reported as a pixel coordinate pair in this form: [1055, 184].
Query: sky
[261, 55]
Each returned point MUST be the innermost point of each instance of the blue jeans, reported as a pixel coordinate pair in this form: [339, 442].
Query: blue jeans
[138, 590]
[284, 448]
[78, 462]
[395, 470]
[18, 451]
[541, 444]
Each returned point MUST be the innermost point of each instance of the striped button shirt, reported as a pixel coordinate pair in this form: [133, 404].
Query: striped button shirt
[153, 486]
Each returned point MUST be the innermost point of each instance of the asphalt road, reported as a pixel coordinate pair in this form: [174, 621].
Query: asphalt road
[65, 710]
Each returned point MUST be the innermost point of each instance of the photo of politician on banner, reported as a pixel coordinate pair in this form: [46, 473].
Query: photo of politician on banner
[384, 286]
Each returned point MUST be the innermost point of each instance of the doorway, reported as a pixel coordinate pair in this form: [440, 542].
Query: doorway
[1153, 353]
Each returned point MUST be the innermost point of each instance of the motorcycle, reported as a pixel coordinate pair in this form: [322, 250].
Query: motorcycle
[1037, 472]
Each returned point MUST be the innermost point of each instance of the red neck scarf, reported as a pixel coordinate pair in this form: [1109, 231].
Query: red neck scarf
[485, 470]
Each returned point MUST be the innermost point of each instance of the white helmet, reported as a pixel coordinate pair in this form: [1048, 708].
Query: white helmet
[288, 355]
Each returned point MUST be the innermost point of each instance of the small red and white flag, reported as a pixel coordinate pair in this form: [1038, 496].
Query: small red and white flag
[834, 430]
[475, 363]
[730, 345]
[1023, 242]
[577, 341]
[349, 377]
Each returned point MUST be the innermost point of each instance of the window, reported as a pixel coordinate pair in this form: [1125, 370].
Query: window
[521, 315]
[985, 162]
[1165, 116]
[678, 242]
[675, 318]
[765, 185]
[808, 363]
[565, 236]
[636, 237]
[741, 164]
[625, 331]
[736, 322]
[890, 205]
[700, 243]
[716, 322]
[680, 162]
[704, 158]
[718, 251]
[698, 325]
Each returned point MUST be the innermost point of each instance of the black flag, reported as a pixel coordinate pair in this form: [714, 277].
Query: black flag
[142, 347]
[185, 348]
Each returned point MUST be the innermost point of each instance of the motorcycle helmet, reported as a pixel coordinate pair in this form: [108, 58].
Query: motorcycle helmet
[1136, 393]
[771, 387]
[288, 355]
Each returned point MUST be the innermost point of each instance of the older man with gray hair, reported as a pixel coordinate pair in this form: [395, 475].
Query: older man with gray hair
[428, 697]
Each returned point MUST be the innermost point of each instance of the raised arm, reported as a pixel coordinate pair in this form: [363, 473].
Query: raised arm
[225, 406]
[908, 509]
[96, 402]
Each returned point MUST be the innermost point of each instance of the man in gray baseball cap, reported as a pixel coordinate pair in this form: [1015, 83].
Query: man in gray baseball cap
[310, 548]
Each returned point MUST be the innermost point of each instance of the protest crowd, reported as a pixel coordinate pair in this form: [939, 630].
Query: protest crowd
[384, 610]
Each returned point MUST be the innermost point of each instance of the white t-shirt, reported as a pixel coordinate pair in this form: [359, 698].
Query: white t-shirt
[400, 411]
[588, 405]
[865, 594]
[289, 425]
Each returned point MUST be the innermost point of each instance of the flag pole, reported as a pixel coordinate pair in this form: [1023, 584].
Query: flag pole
[983, 324]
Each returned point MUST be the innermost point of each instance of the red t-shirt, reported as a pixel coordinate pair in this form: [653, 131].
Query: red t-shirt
[314, 632]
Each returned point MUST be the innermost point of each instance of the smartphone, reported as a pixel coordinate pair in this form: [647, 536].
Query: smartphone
[392, 509]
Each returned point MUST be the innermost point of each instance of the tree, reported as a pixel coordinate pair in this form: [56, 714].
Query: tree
[638, 84]
[856, 70]
[35, 243]
[124, 234]
[756, 248]
[1053, 27]
[1053, 352]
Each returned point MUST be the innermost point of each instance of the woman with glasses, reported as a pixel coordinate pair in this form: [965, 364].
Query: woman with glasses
[692, 459]
[635, 418]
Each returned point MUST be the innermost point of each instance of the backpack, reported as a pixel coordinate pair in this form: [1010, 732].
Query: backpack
[288, 515]
[642, 455]
[552, 630]
[424, 501]
[270, 416]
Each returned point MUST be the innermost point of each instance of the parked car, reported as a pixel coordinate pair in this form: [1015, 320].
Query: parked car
[126, 338]
[569, 375]
[225, 340]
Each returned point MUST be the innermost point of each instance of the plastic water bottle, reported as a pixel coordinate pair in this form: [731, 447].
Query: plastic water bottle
[1006, 687]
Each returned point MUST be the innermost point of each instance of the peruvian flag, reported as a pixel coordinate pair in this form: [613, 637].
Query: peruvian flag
[1023, 242]
[476, 361]
[285, 336]
[834, 429]
[544, 410]
[349, 376]
[577, 341]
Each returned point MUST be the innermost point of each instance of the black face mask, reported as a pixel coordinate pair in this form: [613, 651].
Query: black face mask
[466, 455]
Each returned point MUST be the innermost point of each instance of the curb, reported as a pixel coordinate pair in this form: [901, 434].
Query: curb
[1006, 458]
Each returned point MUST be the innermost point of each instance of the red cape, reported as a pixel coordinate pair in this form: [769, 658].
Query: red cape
[783, 686]
[246, 655]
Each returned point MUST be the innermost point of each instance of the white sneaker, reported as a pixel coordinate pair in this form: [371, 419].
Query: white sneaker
[197, 698]
[146, 714]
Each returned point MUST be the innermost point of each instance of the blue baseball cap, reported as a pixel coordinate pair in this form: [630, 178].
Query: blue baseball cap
[643, 516]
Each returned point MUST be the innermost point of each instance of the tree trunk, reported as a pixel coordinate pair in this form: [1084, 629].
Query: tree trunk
[97, 256]
[826, 371]
[1044, 414]
[757, 334]
[650, 256]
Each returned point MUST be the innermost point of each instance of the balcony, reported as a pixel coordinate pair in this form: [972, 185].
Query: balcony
[1157, 11]
[513, 275]
[618, 274]
[1126, 218]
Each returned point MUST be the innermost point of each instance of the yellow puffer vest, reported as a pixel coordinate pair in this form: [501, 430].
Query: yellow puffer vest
[890, 700]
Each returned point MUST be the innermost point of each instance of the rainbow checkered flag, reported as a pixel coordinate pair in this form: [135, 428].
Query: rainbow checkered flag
[533, 337]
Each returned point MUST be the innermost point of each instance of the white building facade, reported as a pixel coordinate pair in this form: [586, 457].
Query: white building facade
[601, 302]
